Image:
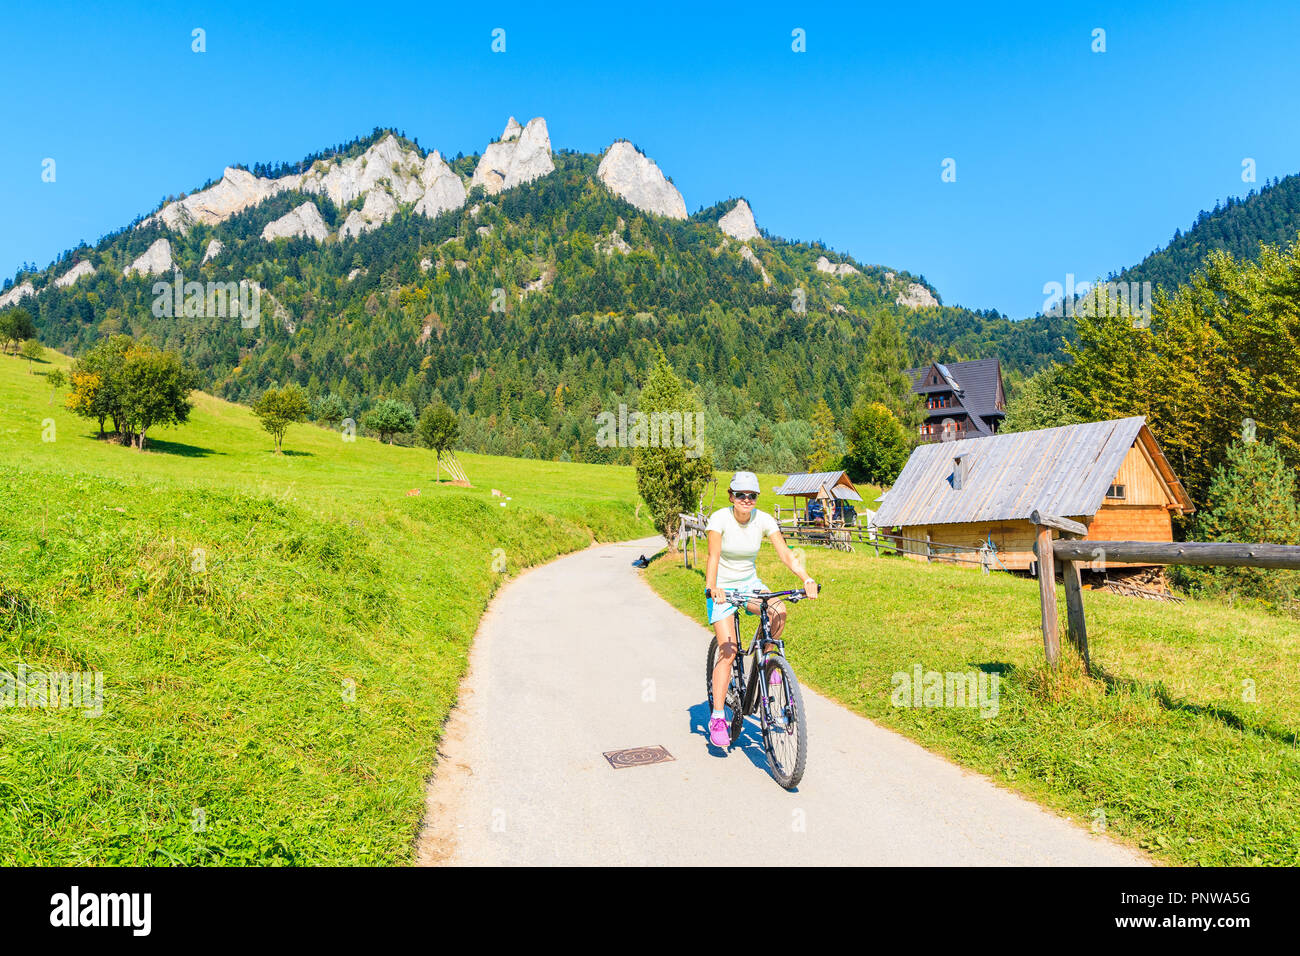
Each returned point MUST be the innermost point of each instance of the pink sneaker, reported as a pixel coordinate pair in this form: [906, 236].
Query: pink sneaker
[774, 678]
[719, 734]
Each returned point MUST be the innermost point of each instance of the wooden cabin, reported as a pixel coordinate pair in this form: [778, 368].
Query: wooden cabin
[1111, 476]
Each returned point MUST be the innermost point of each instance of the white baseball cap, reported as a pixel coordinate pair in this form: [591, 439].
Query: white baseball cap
[744, 481]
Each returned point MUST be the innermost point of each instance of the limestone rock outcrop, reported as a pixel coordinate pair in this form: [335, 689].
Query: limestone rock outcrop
[612, 243]
[835, 268]
[747, 254]
[16, 294]
[378, 208]
[739, 222]
[384, 163]
[443, 189]
[385, 169]
[82, 268]
[305, 220]
[522, 157]
[156, 260]
[631, 175]
[916, 296]
[236, 191]
[214, 249]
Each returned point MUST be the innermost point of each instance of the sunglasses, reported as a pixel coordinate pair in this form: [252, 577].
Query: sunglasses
[745, 495]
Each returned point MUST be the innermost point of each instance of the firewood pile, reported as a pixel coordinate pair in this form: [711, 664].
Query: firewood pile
[1149, 583]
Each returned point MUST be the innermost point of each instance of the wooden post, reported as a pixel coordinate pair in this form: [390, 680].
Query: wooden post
[927, 547]
[1077, 626]
[1047, 594]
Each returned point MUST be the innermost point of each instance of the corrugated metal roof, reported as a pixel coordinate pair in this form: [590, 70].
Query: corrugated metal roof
[1061, 471]
[811, 483]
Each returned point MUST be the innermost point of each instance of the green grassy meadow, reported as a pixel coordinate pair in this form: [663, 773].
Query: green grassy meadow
[280, 638]
[1163, 747]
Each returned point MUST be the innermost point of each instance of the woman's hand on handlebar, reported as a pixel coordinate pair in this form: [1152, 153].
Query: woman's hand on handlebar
[810, 588]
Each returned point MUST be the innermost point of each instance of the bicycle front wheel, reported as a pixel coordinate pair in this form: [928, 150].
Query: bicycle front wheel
[785, 731]
[733, 695]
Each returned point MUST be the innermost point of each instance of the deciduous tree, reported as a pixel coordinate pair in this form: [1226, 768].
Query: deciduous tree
[278, 408]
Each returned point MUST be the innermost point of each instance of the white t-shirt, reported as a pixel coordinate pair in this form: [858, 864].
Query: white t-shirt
[740, 543]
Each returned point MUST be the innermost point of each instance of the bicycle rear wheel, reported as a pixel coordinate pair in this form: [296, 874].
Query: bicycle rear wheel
[785, 731]
[733, 693]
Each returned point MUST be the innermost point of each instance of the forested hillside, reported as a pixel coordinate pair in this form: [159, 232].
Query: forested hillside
[528, 312]
[1238, 226]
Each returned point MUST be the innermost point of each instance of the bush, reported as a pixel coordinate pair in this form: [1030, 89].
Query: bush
[330, 410]
[879, 445]
[389, 418]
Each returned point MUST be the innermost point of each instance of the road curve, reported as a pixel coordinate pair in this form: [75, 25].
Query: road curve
[579, 657]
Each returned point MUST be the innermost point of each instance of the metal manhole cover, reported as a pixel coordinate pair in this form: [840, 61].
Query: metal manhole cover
[637, 757]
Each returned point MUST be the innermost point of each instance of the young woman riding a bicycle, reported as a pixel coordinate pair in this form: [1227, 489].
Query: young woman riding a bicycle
[735, 536]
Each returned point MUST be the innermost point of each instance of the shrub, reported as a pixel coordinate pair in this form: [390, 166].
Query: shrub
[389, 418]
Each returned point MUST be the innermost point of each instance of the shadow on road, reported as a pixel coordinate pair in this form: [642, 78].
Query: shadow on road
[749, 743]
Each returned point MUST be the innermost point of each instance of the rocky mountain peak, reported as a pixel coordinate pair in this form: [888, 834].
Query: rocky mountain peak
[739, 222]
[511, 162]
[633, 176]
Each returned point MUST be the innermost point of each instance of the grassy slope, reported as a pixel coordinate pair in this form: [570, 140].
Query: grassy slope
[1164, 745]
[224, 689]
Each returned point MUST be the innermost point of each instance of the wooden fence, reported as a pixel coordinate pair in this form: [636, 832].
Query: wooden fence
[1072, 553]
[690, 529]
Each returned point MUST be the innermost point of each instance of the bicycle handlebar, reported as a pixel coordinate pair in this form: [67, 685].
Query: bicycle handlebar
[741, 598]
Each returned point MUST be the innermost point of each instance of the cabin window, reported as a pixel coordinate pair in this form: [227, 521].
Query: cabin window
[1117, 491]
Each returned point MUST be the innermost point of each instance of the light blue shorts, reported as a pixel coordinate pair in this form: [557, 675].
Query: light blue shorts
[721, 610]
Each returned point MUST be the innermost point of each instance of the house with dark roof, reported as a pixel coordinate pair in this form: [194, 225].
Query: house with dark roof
[980, 492]
[962, 399]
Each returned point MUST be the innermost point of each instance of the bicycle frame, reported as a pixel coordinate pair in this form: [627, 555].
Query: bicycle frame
[748, 690]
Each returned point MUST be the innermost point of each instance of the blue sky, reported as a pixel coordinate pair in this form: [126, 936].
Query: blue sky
[1067, 161]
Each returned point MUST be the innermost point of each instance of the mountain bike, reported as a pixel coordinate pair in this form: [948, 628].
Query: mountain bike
[779, 707]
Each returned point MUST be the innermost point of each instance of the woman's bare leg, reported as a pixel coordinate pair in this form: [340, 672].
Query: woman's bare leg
[726, 634]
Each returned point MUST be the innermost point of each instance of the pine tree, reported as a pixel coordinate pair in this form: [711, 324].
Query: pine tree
[883, 377]
[1252, 498]
[821, 454]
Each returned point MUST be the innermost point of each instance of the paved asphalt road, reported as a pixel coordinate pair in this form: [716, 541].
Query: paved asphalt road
[579, 657]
